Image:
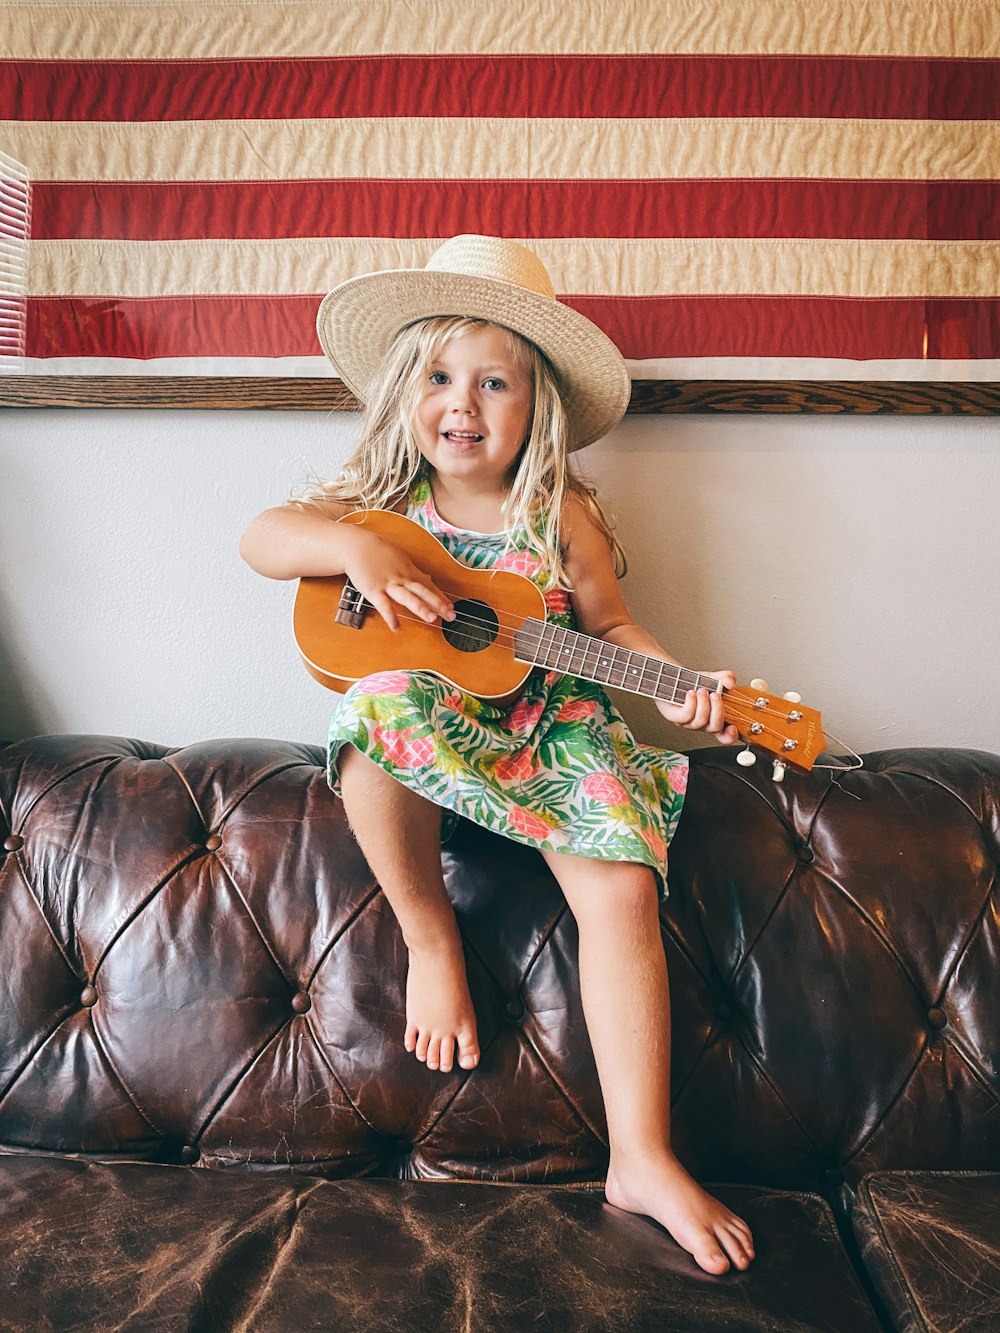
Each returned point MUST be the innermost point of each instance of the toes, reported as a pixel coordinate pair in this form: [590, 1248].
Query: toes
[447, 1049]
[736, 1246]
[423, 1041]
[711, 1258]
[434, 1052]
[747, 1242]
[468, 1050]
[410, 1037]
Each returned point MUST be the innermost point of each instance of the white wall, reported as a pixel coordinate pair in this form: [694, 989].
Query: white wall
[853, 559]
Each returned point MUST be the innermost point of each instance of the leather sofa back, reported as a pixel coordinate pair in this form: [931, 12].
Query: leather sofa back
[196, 965]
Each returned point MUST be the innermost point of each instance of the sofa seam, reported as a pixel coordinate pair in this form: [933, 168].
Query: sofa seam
[905, 1285]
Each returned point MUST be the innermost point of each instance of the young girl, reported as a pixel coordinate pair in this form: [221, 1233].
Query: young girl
[477, 383]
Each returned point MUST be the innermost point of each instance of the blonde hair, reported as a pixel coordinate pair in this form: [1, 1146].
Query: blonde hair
[387, 461]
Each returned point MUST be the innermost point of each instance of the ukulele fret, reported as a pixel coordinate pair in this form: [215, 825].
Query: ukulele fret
[577, 645]
[613, 666]
[552, 652]
[566, 653]
[644, 687]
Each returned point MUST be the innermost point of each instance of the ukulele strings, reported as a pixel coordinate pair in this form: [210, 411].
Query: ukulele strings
[734, 709]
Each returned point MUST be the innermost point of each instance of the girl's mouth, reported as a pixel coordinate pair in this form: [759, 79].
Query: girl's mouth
[462, 439]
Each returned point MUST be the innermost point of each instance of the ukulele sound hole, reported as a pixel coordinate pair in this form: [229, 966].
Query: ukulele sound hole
[474, 628]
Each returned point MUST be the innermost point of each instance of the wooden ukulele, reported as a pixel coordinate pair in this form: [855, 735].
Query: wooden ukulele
[500, 634]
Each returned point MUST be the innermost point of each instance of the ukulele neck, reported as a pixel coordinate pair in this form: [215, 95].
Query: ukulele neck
[564, 650]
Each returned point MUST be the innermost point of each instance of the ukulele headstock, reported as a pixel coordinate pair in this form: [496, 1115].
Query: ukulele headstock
[784, 726]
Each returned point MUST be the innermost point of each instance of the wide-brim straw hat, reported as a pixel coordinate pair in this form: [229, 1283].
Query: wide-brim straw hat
[481, 277]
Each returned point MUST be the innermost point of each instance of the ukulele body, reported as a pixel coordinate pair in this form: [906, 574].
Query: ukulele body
[475, 652]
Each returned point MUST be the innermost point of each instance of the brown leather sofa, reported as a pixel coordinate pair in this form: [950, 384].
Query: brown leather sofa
[208, 1121]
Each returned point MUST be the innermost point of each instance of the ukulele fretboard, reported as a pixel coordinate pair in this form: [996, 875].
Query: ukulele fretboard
[576, 654]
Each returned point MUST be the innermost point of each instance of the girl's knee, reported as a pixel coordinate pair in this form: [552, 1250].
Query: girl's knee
[602, 892]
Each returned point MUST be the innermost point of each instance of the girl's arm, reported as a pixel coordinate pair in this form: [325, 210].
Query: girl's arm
[292, 543]
[601, 612]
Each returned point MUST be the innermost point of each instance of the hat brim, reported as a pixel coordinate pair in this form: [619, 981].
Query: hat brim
[358, 320]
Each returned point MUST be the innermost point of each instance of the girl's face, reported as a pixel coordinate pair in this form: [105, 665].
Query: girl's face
[474, 413]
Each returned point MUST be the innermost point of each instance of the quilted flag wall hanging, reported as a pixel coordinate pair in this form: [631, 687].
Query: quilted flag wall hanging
[752, 191]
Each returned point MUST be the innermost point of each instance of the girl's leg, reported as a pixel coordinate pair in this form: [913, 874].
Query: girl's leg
[400, 835]
[623, 980]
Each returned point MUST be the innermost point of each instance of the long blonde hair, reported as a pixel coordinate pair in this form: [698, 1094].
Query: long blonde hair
[387, 461]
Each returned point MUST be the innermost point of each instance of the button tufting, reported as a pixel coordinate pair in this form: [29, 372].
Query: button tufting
[404, 1147]
[189, 1153]
[213, 842]
[834, 1176]
[514, 1009]
[806, 855]
[725, 1012]
[13, 843]
[937, 1018]
[301, 1002]
[88, 996]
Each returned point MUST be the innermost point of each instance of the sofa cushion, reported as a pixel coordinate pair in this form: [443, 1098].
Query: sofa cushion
[931, 1242]
[195, 959]
[134, 1246]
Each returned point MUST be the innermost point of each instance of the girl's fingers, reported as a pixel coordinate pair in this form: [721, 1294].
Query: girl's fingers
[383, 605]
[405, 596]
[421, 600]
[701, 709]
[440, 605]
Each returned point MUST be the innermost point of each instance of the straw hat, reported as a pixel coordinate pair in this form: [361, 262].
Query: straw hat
[483, 277]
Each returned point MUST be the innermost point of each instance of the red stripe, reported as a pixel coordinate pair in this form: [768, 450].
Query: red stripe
[866, 329]
[475, 85]
[163, 210]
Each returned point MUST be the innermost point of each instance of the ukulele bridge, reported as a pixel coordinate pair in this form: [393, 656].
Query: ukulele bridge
[351, 607]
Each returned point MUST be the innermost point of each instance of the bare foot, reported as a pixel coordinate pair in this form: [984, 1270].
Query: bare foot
[700, 1224]
[439, 1012]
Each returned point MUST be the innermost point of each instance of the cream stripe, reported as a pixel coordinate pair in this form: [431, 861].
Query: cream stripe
[421, 148]
[694, 368]
[149, 30]
[581, 267]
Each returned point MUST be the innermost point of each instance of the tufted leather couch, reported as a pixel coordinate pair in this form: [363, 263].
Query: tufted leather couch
[207, 1119]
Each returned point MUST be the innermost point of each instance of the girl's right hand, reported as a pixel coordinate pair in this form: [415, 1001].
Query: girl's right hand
[387, 577]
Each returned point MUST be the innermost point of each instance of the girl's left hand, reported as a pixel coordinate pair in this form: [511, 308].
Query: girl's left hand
[702, 710]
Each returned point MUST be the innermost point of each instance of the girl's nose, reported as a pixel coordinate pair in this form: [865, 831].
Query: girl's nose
[463, 399]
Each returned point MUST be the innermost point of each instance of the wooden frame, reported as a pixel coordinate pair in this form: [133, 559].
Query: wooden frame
[649, 397]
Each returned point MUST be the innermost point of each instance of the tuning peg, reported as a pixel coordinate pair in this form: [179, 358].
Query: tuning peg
[746, 757]
[792, 697]
[778, 772]
[759, 684]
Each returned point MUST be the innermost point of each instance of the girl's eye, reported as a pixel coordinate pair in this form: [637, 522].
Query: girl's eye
[494, 383]
[438, 377]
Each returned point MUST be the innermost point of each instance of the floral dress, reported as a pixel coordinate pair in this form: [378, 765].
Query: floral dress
[558, 769]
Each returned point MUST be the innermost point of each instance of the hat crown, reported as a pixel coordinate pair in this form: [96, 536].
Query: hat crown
[493, 257]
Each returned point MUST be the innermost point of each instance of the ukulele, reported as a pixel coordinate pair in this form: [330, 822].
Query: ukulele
[500, 634]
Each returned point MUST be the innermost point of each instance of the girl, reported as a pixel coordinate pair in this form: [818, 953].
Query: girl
[477, 383]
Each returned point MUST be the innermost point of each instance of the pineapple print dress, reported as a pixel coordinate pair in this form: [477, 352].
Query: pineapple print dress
[558, 769]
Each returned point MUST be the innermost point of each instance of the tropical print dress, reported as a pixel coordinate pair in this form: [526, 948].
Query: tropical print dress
[558, 769]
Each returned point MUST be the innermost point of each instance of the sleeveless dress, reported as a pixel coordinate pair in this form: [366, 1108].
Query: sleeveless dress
[558, 770]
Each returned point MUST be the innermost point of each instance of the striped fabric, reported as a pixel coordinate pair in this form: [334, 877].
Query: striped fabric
[771, 189]
[15, 223]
